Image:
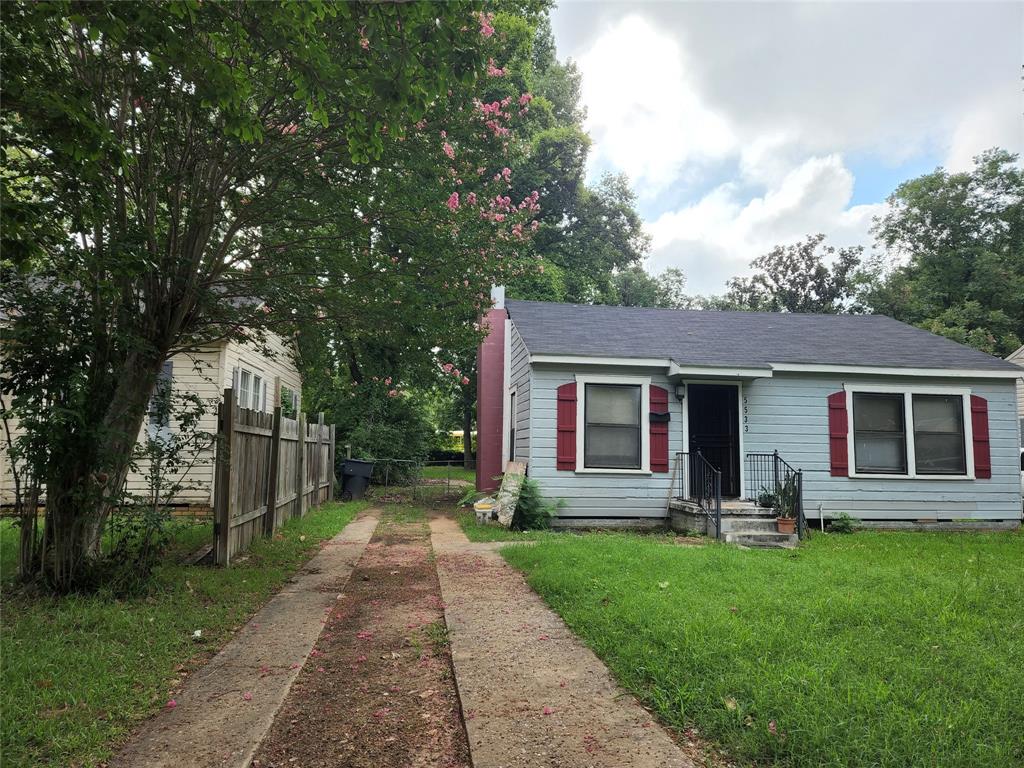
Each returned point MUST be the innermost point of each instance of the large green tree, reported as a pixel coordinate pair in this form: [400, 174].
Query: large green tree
[953, 258]
[179, 173]
[807, 276]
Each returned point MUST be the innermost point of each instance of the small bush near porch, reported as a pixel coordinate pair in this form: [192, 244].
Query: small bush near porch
[884, 649]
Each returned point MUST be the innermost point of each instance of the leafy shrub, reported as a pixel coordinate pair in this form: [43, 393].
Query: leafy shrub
[843, 523]
[533, 511]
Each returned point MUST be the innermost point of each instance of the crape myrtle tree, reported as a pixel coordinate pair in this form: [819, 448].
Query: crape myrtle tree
[177, 174]
[439, 221]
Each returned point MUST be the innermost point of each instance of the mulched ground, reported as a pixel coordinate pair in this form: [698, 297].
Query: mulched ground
[377, 690]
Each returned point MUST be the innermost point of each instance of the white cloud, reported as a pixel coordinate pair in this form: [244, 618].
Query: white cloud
[717, 236]
[735, 118]
[643, 114]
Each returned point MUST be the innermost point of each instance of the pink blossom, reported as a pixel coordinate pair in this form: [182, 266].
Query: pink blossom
[525, 99]
[392, 393]
[362, 39]
[465, 380]
[457, 373]
[449, 151]
[548, 711]
[493, 70]
[448, 367]
[247, 696]
[506, 174]
[172, 704]
[499, 217]
[444, 134]
[485, 24]
[471, 198]
[453, 201]
[388, 381]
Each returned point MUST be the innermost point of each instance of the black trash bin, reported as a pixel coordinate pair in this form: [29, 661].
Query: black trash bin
[355, 478]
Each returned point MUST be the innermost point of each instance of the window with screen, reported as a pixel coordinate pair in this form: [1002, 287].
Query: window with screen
[879, 433]
[612, 426]
[939, 445]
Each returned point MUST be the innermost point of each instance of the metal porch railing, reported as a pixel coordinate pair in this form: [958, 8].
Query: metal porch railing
[699, 482]
[773, 483]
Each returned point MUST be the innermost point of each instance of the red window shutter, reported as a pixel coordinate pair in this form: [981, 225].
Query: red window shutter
[979, 425]
[659, 431]
[565, 445]
[838, 428]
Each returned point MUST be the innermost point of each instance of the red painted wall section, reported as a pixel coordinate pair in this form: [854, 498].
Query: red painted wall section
[490, 399]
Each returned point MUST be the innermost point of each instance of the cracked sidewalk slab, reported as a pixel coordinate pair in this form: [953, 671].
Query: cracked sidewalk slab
[215, 723]
[532, 693]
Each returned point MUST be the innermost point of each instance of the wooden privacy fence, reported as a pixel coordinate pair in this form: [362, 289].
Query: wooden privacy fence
[269, 468]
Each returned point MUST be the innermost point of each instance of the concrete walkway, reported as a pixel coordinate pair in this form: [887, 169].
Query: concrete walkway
[228, 705]
[532, 694]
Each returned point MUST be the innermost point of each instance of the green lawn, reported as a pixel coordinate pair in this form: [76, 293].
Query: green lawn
[455, 472]
[876, 649]
[78, 672]
[482, 532]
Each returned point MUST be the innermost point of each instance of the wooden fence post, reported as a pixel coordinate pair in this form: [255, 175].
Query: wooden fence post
[223, 479]
[330, 464]
[275, 458]
[319, 456]
[300, 485]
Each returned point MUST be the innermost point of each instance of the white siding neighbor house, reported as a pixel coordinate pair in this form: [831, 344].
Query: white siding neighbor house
[1017, 358]
[263, 379]
[884, 422]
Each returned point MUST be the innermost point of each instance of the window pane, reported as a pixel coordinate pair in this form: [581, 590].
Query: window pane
[879, 441]
[257, 392]
[878, 412]
[881, 453]
[612, 416]
[244, 389]
[611, 404]
[939, 445]
[613, 447]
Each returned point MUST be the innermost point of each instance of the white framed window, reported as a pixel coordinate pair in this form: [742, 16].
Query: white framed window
[917, 432]
[613, 431]
[251, 388]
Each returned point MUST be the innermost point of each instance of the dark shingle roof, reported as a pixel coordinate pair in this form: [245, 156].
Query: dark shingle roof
[737, 339]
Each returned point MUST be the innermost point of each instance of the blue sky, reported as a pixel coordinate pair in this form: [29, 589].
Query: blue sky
[745, 125]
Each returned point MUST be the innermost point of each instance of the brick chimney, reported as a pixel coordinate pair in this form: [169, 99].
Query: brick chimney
[490, 394]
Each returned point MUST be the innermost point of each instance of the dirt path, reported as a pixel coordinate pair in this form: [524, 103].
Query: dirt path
[378, 688]
[228, 705]
[532, 694]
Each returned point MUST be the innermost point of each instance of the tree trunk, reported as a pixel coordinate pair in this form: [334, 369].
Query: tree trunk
[88, 473]
[468, 460]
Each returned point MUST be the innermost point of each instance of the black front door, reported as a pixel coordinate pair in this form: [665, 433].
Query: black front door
[714, 419]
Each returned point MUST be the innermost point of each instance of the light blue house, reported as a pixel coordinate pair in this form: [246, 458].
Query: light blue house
[627, 413]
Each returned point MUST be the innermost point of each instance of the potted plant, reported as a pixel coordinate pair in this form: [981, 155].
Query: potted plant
[785, 506]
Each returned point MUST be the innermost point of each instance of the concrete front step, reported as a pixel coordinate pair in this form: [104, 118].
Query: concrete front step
[782, 540]
[732, 524]
[744, 508]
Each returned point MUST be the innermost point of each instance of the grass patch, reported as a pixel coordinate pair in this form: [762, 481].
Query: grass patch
[454, 472]
[483, 532]
[880, 649]
[79, 672]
